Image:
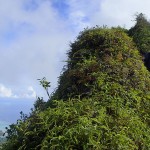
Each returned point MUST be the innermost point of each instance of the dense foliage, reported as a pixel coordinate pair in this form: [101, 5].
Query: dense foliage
[101, 54]
[141, 33]
[2, 138]
[102, 100]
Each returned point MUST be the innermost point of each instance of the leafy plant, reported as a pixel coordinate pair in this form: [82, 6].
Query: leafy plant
[141, 33]
[45, 84]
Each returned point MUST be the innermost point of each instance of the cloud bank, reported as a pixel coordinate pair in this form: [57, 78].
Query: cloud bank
[5, 92]
[8, 93]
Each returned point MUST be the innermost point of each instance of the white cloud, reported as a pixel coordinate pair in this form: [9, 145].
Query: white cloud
[5, 92]
[119, 12]
[30, 93]
[80, 13]
[37, 47]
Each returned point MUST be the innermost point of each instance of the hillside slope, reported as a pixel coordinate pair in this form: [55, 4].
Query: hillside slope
[102, 101]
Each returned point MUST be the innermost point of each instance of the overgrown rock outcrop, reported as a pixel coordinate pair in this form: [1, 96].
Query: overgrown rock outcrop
[102, 101]
[102, 55]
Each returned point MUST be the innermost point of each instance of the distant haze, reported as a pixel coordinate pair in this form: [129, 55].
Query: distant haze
[10, 110]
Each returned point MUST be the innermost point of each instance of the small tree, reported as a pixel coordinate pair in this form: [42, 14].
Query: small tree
[141, 33]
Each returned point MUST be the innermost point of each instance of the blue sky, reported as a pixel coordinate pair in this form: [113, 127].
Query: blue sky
[35, 36]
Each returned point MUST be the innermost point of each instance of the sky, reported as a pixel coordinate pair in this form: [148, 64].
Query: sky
[35, 36]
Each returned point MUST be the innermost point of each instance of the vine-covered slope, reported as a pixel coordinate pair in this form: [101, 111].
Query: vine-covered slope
[102, 100]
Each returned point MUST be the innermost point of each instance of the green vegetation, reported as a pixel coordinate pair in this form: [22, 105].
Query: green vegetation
[102, 100]
[2, 138]
[141, 33]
